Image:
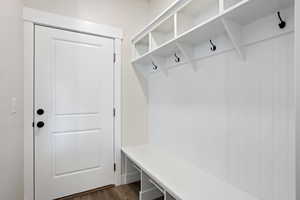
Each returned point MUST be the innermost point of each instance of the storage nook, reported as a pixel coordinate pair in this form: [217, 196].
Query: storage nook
[218, 76]
[142, 46]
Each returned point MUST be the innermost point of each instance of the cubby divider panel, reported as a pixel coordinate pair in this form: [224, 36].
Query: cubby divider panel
[149, 189]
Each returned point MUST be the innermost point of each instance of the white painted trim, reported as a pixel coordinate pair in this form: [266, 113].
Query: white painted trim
[117, 104]
[31, 17]
[69, 23]
[297, 99]
[28, 111]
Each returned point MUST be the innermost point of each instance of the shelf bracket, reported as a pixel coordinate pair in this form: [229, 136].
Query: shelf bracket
[234, 32]
[142, 79]
[187, 52]
[161, 63]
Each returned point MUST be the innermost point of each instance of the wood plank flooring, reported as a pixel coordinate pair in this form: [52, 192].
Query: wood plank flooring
[124, 192]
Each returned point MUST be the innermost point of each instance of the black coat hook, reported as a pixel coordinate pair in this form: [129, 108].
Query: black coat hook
[214, 47]
[154, 66]
[282, 23]
[177, 58]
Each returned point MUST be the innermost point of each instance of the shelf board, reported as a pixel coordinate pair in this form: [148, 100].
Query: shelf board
[203, 32]
[163, 48]
[248, 11]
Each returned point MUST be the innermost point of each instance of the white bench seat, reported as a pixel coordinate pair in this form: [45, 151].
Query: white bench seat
[181, 179]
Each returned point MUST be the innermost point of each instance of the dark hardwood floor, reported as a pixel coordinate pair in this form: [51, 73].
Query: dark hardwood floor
[124, 192]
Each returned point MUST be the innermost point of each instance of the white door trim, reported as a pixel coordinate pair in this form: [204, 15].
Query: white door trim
[69, 23]
[34, 17]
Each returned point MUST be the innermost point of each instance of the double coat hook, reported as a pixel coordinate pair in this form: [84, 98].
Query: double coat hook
[282, 23]
[155, 67]
[213, 46]
[177, 58]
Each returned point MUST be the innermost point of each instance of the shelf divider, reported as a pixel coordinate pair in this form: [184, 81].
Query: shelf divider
[176, 25]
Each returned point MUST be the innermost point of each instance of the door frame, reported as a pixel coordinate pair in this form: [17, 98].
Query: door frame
[34, 17]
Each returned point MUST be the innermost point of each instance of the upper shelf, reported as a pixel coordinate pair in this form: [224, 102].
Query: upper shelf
[188, 23]
[247, 11]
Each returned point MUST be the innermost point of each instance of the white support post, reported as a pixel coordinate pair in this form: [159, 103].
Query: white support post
[187, 52]
[221, 6]
[150, 41]
[234, 32]
[161, 64]
[176, 25]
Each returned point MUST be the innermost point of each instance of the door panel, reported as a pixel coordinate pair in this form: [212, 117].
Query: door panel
[77, 62]
[74, 85]
[77, 151]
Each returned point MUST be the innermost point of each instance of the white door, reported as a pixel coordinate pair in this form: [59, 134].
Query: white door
[73, 112]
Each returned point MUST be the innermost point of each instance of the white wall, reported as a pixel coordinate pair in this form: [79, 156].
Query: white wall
[11, 85]
[130, 15]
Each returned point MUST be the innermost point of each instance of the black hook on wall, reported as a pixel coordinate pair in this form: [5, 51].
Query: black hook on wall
[154, 66]
[177, 58]
[214, 47]
[282, 23]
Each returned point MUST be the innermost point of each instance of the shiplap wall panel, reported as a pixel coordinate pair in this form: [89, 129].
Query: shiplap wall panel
[232, 118]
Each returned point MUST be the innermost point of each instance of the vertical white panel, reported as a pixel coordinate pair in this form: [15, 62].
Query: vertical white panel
[267, 156]
[243, 119]
[232, 118]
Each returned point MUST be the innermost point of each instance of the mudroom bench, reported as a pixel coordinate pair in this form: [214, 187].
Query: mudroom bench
[165, 175]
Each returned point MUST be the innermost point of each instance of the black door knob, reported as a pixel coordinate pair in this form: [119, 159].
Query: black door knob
[40, 124]
[40, 111]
